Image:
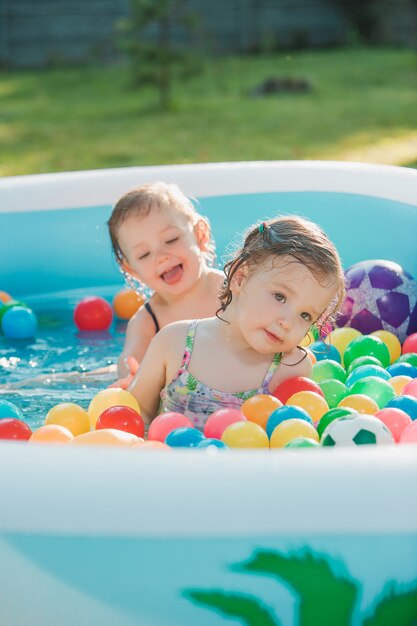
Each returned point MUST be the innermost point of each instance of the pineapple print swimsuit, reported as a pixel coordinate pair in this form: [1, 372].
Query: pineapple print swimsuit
[189, 396]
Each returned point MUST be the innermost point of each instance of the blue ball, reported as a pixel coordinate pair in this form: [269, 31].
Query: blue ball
[7, 409]
[323, 350]
[402, 369]
[367, 370]
[19, 323]
[408, 404]
[287, 412]
[214, 443]
[184, 438]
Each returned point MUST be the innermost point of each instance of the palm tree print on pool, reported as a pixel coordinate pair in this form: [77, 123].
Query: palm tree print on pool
[324, 597]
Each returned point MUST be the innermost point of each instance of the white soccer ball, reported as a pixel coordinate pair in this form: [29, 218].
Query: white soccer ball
[355, 430]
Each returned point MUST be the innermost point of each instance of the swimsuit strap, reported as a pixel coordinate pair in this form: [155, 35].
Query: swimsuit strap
[271, 371]
[153, 316]
[189, 342]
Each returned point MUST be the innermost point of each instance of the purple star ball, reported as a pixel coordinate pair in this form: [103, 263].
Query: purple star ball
[380, 295]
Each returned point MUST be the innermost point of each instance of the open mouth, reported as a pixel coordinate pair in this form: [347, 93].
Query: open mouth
[272, 337]
[173, 275]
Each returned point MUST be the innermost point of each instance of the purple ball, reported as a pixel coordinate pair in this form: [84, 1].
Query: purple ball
[380, 295]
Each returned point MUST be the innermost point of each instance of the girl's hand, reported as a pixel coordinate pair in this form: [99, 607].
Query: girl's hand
[133, 368]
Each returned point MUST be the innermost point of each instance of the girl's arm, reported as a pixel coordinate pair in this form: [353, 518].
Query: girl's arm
[139, 334]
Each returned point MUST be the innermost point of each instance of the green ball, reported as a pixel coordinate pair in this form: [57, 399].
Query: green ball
[374, 387]
[408, 357]
[363, 360]
[334, 391]
[327, 370]
[368, 345]
[332, 415]
[302, 442]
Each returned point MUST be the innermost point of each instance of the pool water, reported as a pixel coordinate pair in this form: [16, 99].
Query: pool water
[38, 373]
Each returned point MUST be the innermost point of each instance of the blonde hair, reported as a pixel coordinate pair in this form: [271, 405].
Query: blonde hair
[156, 195]
[291, 236]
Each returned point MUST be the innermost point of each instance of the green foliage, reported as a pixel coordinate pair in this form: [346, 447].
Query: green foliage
[363, 18]
[247, 610]
[396, 607]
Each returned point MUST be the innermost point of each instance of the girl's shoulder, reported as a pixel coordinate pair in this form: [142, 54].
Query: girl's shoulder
[216, 277]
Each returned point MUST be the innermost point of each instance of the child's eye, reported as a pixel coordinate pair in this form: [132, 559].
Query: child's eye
[173, 240]
[143, 256]
[306, 317]
[279, 297]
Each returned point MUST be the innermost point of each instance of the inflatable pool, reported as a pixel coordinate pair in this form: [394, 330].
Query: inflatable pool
[108, 536]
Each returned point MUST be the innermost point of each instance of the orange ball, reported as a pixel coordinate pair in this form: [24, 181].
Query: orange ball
[4, 296]
[126, 302]
[311, 356]
[360, 403]
[399, 382]
[315, 405]
[151, 445]
[51, 433]
[258, 408]
[106, 437]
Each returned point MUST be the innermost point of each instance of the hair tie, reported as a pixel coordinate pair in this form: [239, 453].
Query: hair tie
[262, 227]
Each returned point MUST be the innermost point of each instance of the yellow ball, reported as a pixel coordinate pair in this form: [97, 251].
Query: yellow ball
[71, 416]
[312, 402]
[106, 437]
[399, 382]
[258, 408]
[291, 429]
[360, 403]
[126, 302]
[308, 340]
[340, 338]
[108, 398]
[51, 433]
[245, 435]
[391, 341]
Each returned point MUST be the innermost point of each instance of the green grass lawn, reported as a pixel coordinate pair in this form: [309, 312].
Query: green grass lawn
[363, 107]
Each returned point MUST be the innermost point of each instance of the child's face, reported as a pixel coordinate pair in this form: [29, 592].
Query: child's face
[276, 305]
[162, 250]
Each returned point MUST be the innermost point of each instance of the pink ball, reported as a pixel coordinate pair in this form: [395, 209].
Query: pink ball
[410, 389]
[410, 344]
[293, 385]
[409, 435]
[163, 424]
[395, 420]
[93, 313]
[220, 420]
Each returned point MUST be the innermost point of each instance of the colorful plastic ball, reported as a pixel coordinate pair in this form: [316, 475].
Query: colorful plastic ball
[184, 438]
[284, 413]
[10, 304]
[258, 408]
[293, 385]
[51, 433]
[302, 442]
[408, 357]
[292, 429]
[322, 350]
[245, 435]
[398, 383]
[391, 341]
[409, 434]
[5, 297]
[311, 337]
[395, 420]
[410, 389]
[122, 418]
[93, 314]
[340, 338]
[12, 428]
[363, 360]
[7, 409]
[113, 396]
[367, 346]
[356, 430]
[71, 416]
[402, 369]
[19, 322]
[326, 370]
[126, 302]
[212, 443]
[151, 445]
[374, 387]
[380, 295]
[163, 424]
[408, 404]
[331, 415]
[360, 403]
[334, 391]
[105, 437]
[410, 344]
[312, 402]
[363, 371]
[221, 419]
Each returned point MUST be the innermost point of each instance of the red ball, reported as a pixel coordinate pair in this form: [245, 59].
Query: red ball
[93, 313]
[12, 428]
[219, 420]
[410, 344]
[289, 387]
[163, 424]
[122, 418]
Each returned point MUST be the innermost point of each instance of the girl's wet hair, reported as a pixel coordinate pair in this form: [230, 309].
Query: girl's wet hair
[156, 195]
[298, 238]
